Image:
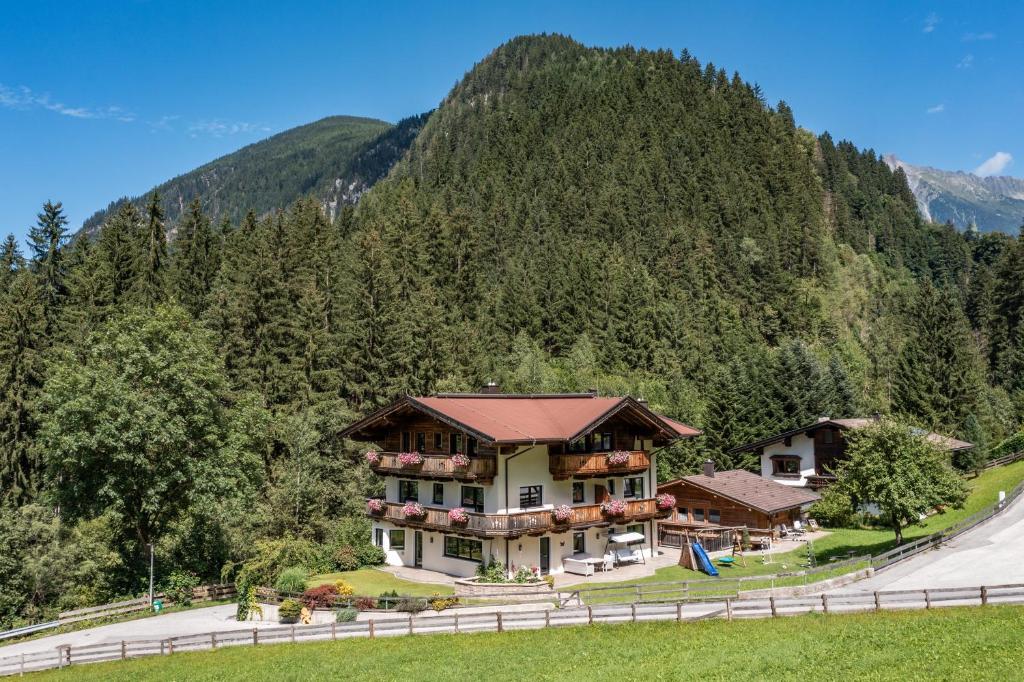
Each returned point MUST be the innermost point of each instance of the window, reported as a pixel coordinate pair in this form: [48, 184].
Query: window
[471, 446]
[473, 498]
[408, 490]
[579, 543]
[421, 441]
[378, 537]
[454, 443]
[715, 515]
[530, 496]
[633, 487]
[577, 492]
[788, 441]
[406, 441]
[698, 515]
[463, 548]
[578, 445]
[438, 440]
[602, 441]
[826, 436]
[397, 538]
[611, 487]
[635, 528]
[786, 466]
[439, 493]
[682, 513]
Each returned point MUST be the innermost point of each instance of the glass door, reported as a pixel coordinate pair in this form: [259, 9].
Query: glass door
[418, 547]
[545, 555]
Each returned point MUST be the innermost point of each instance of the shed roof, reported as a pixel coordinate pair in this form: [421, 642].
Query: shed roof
[749, 489]
[944, 442]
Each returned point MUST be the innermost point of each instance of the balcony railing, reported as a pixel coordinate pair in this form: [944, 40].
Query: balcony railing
[481, 468]
[519, 523]
[589, 465]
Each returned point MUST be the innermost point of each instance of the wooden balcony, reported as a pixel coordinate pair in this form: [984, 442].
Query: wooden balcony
[519, 523]
[481, 468]
[595, 464]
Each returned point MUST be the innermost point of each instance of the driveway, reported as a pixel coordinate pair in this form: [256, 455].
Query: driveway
[991, 554]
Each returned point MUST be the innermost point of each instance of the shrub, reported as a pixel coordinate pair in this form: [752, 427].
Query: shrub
[346, 615]
[387, 600]
[319, 597]
[492, 572]
[366, 603]
[439, 603]
[289, 611]
[346, 559]
[834, 509]
[411, 605]
[344, 589]
[523, 575]
[550, 580]
[370, 555]
[179, 585]
[292, 580]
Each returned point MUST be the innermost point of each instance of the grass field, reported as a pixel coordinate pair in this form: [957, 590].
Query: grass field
[984, 492]
[942, 644]
[369, 582]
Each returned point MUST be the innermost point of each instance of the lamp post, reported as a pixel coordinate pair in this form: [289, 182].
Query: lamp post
[151, 574]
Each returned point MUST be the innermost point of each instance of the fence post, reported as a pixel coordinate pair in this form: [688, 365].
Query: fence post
[501, 628]
[679, 611]
[984, 595]
[824, 603]
[590, 614]
[632, 608]
[293, 634]
[161, 647]
[124, 650]
[771, 602]
[22, 666]
[370, 623]
[878, 602]
[170, 646]
[213, 640]
[410, 623]
[547, 618]
[927, 600]
[456, 622]
[255, 636]
[334, 630]
[728, 609]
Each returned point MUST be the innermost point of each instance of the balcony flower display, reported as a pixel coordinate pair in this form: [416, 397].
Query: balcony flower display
[458, 515]
[665, 501]
[460, 460]
[413, 510]
[613, 507]
[563, 513]
[372, 457]
[376, 505]
[618, 458]
[410, 459]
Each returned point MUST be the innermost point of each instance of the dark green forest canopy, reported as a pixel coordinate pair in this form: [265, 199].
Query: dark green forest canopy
[568, 218]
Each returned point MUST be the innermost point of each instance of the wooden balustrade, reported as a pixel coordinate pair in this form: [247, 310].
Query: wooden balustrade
[517, 523]
[481, 468]
[595, 464]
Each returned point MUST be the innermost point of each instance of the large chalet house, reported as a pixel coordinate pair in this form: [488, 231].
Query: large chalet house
[529, 480]
[807, 456]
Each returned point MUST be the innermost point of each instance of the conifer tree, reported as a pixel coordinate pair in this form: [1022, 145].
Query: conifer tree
[11, 260]
[151, 286]
[119, 253]
[195, 260]
[46, 240]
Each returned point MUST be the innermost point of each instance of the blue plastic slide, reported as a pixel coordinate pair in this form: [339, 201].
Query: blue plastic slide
[704, 561]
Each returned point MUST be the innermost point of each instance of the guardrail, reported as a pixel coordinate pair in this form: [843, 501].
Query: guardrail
[455, 623]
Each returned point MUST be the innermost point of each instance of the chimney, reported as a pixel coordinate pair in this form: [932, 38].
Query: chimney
[823, 418]
[642, 401]
[709, 468]
[490, 388]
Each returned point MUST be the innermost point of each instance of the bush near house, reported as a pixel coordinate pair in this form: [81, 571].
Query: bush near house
[289, 611]
[292, 580]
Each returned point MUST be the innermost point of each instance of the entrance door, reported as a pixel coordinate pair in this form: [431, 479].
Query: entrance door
[545, 555]
[418, 550]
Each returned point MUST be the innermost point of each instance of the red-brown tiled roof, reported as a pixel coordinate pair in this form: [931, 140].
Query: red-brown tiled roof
[682, 429]
[749, 490]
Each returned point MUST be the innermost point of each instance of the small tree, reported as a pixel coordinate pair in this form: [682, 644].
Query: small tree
[892, 465]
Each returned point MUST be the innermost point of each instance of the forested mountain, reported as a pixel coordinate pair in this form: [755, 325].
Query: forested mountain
[569, 217]
[990, 204]
[335, 159]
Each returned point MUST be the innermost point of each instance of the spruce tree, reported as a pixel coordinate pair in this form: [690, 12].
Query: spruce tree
[46, 240]
[11, 260]
[195, 260]
[151, 286]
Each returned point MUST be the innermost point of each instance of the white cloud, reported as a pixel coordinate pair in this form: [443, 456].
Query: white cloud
[937, 109]
[930, 22]
[994, 165]
[966, 63]
[973, 37]
[220, 128]
[24, 98]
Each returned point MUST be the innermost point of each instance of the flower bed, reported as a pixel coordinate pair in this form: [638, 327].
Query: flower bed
[460, 460]
[458, 515]
[618, 458]
[413, 510]
[613, 507]
[665, 501]
[375, 505]
[563, 513]
[410, 459]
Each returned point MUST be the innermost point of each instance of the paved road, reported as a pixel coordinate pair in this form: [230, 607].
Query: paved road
[992, 554]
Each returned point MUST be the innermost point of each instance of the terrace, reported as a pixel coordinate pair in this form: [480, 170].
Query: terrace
[481, 468]
[596, 465]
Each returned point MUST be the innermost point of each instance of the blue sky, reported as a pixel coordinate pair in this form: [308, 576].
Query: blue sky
[103, 99]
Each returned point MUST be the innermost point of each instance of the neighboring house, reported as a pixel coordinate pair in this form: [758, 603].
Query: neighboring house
[527, 454]
[716, 501]
[808, 456]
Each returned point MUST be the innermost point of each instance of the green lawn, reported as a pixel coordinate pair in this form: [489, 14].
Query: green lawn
[980, 643]
[984, 492]
[369, 582]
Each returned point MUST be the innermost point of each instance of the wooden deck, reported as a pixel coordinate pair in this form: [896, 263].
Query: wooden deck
[595, 464]
[481, 468]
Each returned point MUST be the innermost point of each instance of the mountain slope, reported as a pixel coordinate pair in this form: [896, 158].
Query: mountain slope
[336, 159]
[993, 203]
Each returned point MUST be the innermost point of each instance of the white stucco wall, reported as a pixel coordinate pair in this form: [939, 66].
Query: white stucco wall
[802, 447]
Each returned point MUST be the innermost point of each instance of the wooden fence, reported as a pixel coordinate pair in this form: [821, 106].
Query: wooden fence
[453, 622]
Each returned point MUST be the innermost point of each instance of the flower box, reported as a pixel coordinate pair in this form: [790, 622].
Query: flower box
[618, 458]
[372, 457]
[665, 501]
[460, 460]
[410, 459]
[613, 507]
[413, 510]
[458, 515]
[563, 513]
[376, 505]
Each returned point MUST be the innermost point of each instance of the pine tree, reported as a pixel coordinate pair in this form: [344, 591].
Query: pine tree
[119, 253]
[151, 287]
[46, 242]
[195, 260]
[11, 260]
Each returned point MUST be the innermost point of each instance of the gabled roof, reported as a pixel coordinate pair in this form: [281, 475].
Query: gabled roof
[749, 490]
[944, 442]
[513, 418]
